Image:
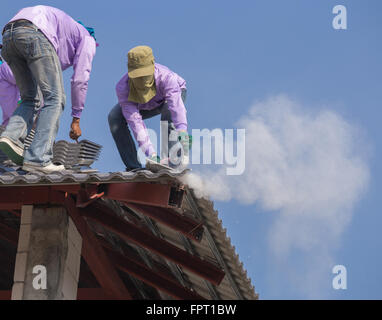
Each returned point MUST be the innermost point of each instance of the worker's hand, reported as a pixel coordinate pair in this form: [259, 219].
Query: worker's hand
[155, 157]
[75, 130]
[185, 140]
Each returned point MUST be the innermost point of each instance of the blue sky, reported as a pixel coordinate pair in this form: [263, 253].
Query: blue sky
[232, 54]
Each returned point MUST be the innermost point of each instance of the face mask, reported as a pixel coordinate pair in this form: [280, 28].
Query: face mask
[143, 83]
[142, 89]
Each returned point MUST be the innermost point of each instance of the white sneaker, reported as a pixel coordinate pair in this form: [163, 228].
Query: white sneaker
[50, 168]
[12, 150]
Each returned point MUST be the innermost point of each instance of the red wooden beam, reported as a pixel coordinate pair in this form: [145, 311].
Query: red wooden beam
[84, 198]
[69, 188]
[156, 279]
[5, 295]
[131, 232]
[8, 206]
[16, 213]
[7, 263]
[87, 278]
[128, 251]
[101, 206]
[82, 294]
[187, 226]
[154, 194]
[95, 256]
[86, 193]
[92, 294]
[8, 234]
[13, 198]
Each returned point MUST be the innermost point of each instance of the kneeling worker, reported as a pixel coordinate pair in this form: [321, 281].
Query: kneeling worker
[149, 89]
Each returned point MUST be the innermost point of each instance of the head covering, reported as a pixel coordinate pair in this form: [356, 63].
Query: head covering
[90, 30]
[142, 89]
[141, 70]
[140, 62]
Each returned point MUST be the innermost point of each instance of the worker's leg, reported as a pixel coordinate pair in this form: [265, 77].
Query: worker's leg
[122, 135]
[43, 70]
[123, 139]
[171, 130]
[22, 119]
[46, 69]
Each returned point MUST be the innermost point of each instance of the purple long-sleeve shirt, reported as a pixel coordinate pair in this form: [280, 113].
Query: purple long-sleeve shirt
[73, 43]
[169, 87]
[9, 93]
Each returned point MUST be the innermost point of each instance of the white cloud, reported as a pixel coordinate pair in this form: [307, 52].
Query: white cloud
[308, 168]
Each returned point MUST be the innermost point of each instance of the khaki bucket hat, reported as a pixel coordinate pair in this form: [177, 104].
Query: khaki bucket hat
[140, 62]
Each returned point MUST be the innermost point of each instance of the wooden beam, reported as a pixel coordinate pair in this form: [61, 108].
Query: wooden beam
[96, 257]
[8, 234]
[154, 194]
[87, 278]
[15, 213]
[5, 295]
[131, 232]
[83, 294]
[93, 294]
[8, 206]
[13, 198]
[171, 218]
[156, 279]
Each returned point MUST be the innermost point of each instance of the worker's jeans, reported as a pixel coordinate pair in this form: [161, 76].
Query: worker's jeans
[123, 138]
[35, 64]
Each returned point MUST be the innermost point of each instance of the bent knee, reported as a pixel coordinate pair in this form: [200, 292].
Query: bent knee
[115, 116]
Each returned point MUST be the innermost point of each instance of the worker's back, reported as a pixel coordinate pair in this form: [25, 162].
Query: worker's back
[65, 34]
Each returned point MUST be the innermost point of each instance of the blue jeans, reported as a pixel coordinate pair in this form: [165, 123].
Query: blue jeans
[35, 65]
[122, 135]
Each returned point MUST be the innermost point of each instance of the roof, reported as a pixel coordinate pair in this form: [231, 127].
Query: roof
[214, 247]
[17, 178]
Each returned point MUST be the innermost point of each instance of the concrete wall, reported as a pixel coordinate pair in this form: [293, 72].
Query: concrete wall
[48, 255]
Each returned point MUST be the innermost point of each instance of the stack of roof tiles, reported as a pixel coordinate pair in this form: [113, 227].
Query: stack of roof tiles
[72, 155]
[76, 155]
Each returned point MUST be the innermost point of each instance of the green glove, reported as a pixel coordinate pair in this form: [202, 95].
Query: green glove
[155, 158]
[185, 140]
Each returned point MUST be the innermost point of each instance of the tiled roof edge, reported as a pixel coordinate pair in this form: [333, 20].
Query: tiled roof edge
[216, 228]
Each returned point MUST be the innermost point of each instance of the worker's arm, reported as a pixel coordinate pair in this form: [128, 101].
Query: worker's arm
[173, 95]
[134, 118]
[178, 111]
[135, 122]
[82, 65]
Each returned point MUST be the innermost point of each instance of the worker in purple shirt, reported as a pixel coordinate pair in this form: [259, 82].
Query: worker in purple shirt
[146, 90]
[9, 93]
[38, 44]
